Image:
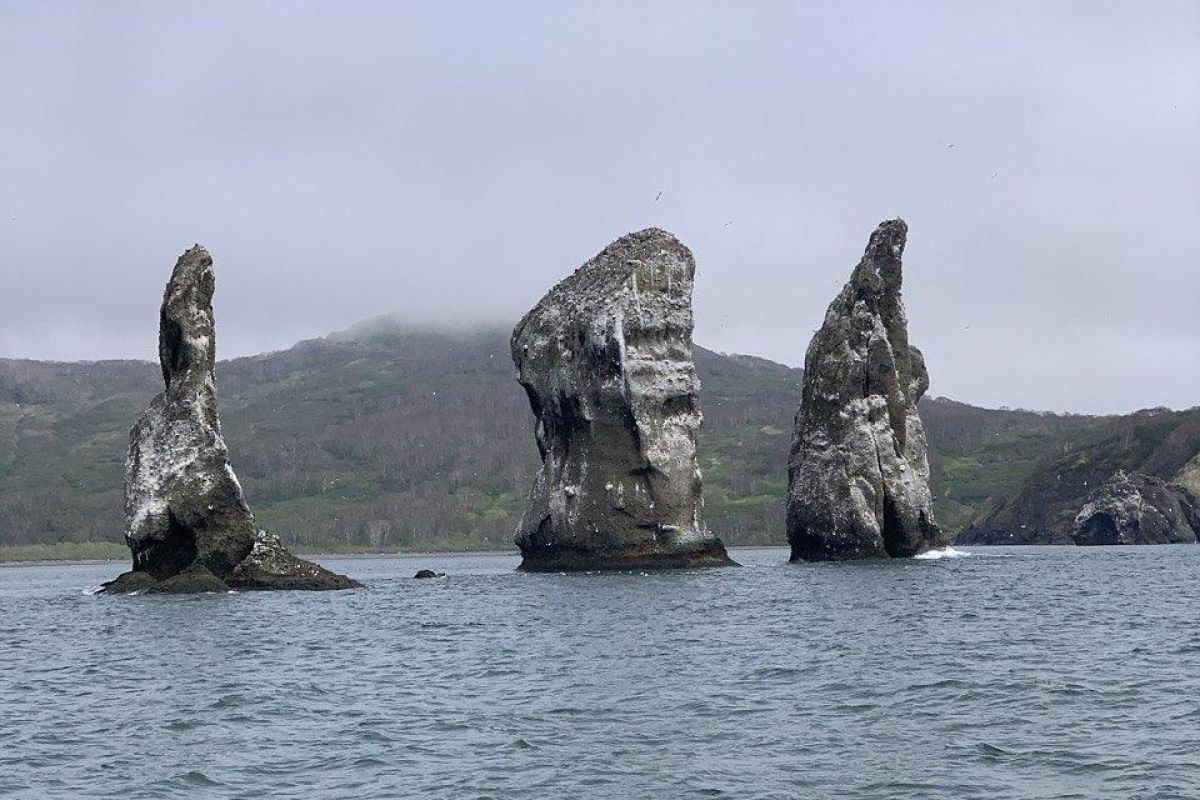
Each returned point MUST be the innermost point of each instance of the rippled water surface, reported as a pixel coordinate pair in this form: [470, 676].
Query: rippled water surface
[1009, 673]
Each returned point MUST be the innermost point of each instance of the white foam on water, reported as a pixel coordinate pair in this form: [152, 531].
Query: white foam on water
[945, 552]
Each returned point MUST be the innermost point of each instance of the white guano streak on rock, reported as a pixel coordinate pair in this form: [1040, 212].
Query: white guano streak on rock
[625, 304]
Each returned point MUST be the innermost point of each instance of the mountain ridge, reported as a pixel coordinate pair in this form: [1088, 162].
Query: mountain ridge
[389, 436]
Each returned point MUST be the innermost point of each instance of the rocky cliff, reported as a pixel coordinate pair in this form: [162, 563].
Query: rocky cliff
[187, 522]
[1042, 510]
[605, 359]
[1137, 509]
[858, 471]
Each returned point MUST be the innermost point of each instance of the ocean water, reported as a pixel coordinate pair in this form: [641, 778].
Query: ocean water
[1006, 673]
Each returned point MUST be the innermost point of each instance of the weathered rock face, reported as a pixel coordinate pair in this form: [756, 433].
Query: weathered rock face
[1137, 509]
[187, 523]
[606, 360]
[858, 471]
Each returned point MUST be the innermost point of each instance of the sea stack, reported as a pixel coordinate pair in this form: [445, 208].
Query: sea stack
[858, 475]
[606, 360]
[187, 522]
[1137, 509]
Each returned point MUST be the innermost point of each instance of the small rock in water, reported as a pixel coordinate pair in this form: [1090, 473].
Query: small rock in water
[187, 522]
[428, 573]
[606, 361]
[859, 470]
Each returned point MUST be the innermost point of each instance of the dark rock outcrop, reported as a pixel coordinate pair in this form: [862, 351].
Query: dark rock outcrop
[1137, 509]
[858, 472]
[1042, 509]
[187, 523]
[606, 360]
[269, 565]
[425, 574]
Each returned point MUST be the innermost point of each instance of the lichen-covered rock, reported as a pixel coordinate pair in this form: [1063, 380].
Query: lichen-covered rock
[606, 360]
[1137, 509]
[858, 471]
[187, 522]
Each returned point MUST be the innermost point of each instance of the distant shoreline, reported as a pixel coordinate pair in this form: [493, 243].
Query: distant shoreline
[67, 561]
[61, 562]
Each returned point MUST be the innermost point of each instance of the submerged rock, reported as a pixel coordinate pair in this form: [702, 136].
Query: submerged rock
[606, 360]
[187, 522]
[424, 574]
[1137, 509]
[859, 471]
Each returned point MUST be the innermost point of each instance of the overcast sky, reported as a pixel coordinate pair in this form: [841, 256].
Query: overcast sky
[448, 162]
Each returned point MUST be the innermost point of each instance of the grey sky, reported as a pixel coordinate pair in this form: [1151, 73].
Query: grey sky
[450, 161]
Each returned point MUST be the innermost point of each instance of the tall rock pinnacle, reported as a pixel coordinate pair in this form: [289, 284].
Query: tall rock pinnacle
[187, 522]
[859, 471]
[606, 360]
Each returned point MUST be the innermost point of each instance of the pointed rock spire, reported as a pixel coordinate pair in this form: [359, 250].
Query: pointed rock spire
[859, 470]
[187, 522]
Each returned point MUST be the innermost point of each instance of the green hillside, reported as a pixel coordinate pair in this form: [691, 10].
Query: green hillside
[978, 457]
[387, 438]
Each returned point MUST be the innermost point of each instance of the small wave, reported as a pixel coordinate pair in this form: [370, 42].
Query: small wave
[777, 672]
[945, 552]
[944, 683]
[228, 701]
[992, 751]
[197, 778]
[183, 725]
[571, 711]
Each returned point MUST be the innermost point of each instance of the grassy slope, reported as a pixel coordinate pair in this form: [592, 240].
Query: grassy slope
[980, 456]
[402, 439]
